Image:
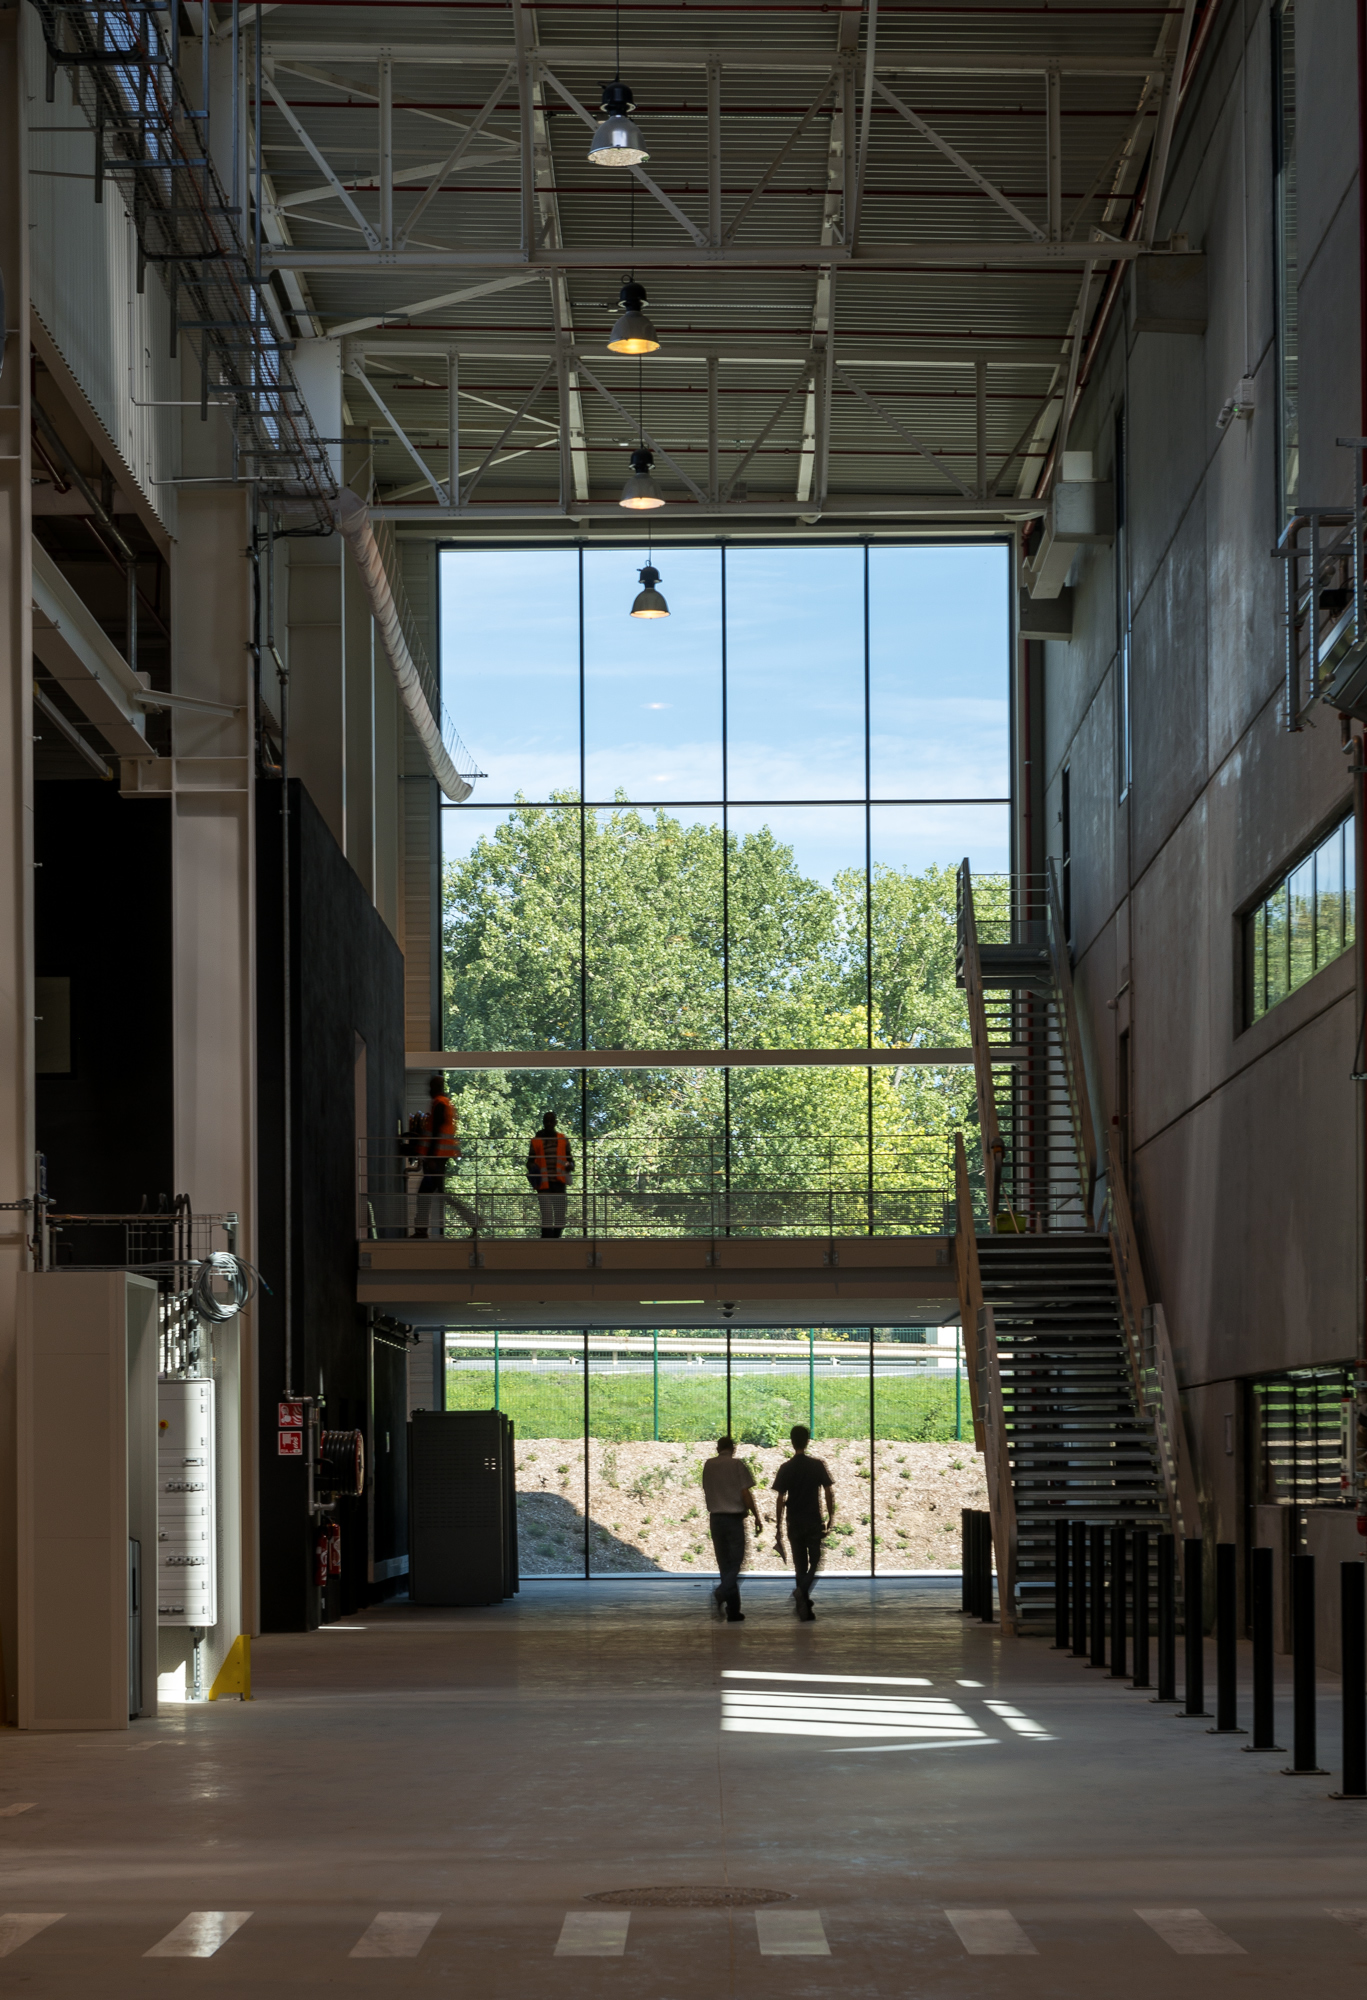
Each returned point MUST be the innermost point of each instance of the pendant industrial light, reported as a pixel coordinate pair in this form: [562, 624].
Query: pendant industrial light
[640, 492]
[649, 603]
[633, 332]
[616, 142]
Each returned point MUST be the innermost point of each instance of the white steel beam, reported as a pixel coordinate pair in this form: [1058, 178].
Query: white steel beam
[328, 175]
[473, 481]
[657, 55]
[753, 513]
[355, 370]
[714, 150]
[956, 159]
[803, 380]
[1167, 119]
[457, 154]
[1053, 150]
[386, 80]
[699, 235]
[895, 423]
[962, 255]
[435, 305]
[653, 442]
[762, 183]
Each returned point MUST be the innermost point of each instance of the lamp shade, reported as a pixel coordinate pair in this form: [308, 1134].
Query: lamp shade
[617, 141]
[649, 603]
[633, 332]
[640, 491]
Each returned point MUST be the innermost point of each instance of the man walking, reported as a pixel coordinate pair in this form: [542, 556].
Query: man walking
[550, 1164]
[801, 1484]
[729, 1489]
[437, 1145]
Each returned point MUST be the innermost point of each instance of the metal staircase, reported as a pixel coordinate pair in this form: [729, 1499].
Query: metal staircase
[1076, 1410]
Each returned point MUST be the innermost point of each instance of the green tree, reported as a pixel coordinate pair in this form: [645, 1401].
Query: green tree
[649, 891]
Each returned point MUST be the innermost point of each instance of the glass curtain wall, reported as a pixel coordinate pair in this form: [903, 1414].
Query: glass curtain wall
[612, 1429]
[736, 827]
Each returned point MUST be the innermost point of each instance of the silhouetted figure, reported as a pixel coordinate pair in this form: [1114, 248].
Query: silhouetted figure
[801, 1484]
[728, 1487]
[550, 1165]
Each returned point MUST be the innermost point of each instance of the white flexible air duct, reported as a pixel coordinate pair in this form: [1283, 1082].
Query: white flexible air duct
[353, 522]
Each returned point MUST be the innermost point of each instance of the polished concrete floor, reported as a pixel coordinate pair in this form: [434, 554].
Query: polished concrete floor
[420, 1800]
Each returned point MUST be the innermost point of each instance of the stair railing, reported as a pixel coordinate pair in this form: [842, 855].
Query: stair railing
[993, 1149]
[989, 1408]
[1074, 1071]
[1151, 1364]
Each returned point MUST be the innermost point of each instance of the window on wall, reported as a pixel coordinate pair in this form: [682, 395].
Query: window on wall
[736, 827]
[1286, 260]
[1308, 920]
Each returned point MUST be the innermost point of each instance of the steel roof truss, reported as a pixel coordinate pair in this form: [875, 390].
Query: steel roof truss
[646, 438]
[895, 423]
[803, 379]
[473, 481]
[371, 238]
[780, 156]
[956, 159]
[355, 370]
[454, 157]
[699, 235]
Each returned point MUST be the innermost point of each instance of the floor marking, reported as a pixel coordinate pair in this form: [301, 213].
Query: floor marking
[11, 1812]
[18, 1926]
[864, 1680]
[200, 1934]
[593, 1934]
[1189, 1933]
[791, 1934]
[968, 1684]
[1356, 1920]
[991, 1934]
[396, 1934]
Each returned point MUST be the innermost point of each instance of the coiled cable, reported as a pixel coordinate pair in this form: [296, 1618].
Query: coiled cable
[222, 1286]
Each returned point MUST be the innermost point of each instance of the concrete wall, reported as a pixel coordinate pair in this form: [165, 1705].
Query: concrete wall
[1244, 1139]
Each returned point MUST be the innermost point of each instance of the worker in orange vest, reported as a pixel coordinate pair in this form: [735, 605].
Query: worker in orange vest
[438, 1146]
[550, 1165]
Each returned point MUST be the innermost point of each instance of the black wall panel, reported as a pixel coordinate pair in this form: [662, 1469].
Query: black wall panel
[347, 980]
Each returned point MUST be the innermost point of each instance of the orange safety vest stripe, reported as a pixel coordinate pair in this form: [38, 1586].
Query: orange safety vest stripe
[557, 1168]
[441, 1124]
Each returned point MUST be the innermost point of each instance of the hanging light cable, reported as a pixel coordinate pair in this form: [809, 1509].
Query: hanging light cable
[640, 493]
[648, 602]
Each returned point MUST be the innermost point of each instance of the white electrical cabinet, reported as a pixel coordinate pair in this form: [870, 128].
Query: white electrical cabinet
[187, 1524]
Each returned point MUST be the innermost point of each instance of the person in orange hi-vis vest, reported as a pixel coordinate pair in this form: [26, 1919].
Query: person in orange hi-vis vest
[550, 1165]
[439, 1149]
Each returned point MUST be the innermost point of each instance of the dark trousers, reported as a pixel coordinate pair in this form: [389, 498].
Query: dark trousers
[728, 1539]
[805, 1543]
[553, 1201]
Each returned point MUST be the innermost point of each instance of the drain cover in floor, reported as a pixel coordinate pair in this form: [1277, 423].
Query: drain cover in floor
[689, 1899]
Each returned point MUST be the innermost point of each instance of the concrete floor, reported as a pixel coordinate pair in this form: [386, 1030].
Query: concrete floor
[482, 1772]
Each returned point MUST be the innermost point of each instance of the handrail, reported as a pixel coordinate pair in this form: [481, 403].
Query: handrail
[984, 1372]
[1074, 1069]
[1151, 1364]
[969, 1272]
[993, 1148]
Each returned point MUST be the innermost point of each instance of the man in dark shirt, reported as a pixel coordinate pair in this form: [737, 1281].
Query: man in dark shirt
[801, 1484]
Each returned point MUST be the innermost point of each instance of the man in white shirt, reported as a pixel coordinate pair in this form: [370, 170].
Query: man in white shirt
[729, 1489]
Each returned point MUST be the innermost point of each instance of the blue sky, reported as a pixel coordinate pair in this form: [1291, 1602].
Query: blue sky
[939, 639]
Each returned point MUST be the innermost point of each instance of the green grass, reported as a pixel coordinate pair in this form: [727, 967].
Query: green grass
[908, 1409]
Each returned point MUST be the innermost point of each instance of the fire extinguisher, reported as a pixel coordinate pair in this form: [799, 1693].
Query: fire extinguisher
[320, 1559]
[334, 1535]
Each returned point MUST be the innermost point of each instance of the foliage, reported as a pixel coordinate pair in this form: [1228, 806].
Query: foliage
[789, 968]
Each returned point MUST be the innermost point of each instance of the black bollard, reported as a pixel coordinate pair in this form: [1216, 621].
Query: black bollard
[965, 1560]
[1141, 1608]
[1193, 1623]
[1119, 1605]
[1264, 1682]
[1167, 1619]
[1303, 1669]
[1098, 1586]
[1061, 1639]
[1226, 1642]
[1079, 1590]
[985, 1529]
[1352, 1601]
